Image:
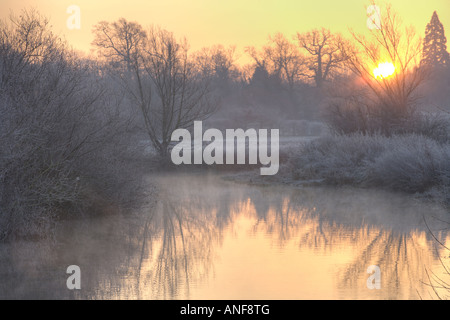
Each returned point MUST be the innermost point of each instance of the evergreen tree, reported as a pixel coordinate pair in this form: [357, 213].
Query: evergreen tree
[434, 45]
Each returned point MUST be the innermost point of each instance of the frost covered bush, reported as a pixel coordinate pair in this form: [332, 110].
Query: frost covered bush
[58, 132]
[411, 164]
[408, 163]
[432, 125]
[336, 159]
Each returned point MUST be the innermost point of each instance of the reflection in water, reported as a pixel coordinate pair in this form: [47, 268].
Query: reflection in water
[210, 239]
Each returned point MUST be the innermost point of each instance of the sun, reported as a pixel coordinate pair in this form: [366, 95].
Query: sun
[384, 70]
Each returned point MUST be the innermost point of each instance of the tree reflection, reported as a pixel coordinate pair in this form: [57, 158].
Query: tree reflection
[401, 250]
[173, 248]
[179, 249]
[186, 230]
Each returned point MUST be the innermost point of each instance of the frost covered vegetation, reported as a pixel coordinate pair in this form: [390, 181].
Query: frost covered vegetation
[61, 152]
[406, 163]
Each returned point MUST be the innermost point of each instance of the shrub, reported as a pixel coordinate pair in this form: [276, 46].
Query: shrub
[336, 159]
[407, 163]
[348, 116]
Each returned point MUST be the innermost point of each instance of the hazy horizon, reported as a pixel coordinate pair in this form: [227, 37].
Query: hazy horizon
[205, 23]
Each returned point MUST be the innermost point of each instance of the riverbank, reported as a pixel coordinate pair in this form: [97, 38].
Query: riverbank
[410, 164]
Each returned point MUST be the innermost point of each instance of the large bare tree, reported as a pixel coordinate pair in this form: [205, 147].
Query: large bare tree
[158, 76]
[324, 56]
[395, 45]
[382, 96]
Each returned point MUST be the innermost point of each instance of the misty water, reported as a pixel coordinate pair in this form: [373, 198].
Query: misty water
[207, 238]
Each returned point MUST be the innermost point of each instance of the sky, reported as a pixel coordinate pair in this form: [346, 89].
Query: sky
[229, 22]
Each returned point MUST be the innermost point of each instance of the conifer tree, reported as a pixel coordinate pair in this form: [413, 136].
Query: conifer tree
[434, 45]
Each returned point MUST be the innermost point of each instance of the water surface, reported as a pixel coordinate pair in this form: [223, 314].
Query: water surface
[206, 238]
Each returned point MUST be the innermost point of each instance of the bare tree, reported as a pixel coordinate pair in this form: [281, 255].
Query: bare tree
[324, 54]
[158, 76]
[286, 58]
[393, 44]
[217, 61]
[386, 75]
[281, 58]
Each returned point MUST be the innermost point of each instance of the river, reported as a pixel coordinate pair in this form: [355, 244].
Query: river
[207, 238]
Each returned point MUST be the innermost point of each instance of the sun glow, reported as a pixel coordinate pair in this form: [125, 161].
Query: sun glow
[384, 70]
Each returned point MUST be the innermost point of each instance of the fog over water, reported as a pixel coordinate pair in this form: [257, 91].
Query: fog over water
[206, 238]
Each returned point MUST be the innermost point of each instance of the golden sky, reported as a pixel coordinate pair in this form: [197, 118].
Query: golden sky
[229, 22]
